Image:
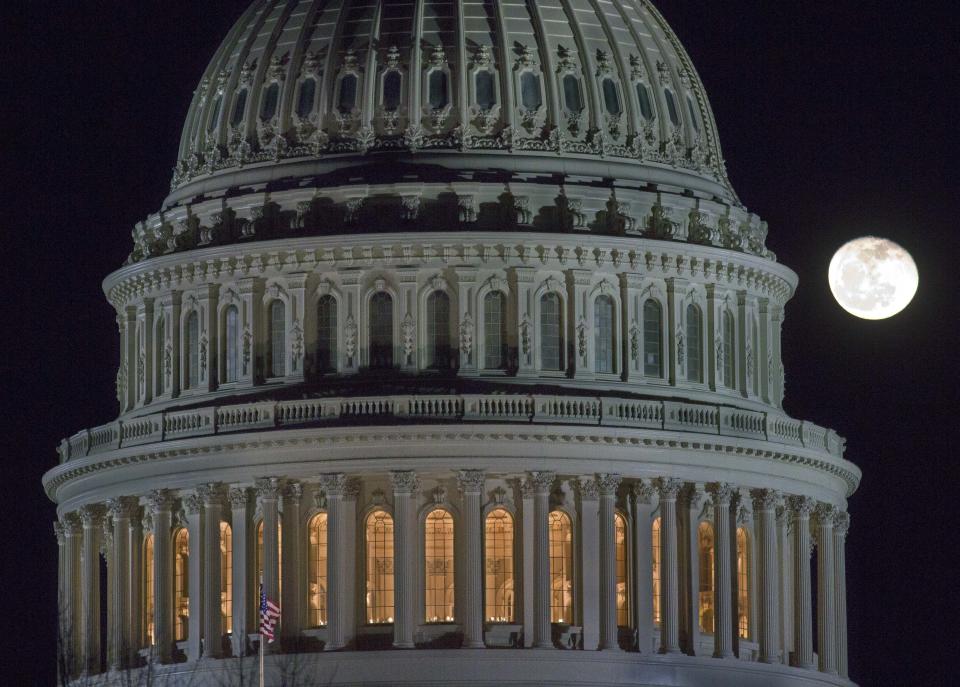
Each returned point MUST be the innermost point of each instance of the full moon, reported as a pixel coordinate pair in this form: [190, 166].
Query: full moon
[873, 278]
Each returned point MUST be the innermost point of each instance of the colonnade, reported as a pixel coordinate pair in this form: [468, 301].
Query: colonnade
[780, 577]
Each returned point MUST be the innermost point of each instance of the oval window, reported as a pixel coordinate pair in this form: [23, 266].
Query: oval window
[239, 108]
[348, 93]
[530, 91]
[671, 107]
[308, 90]
[611, 97]
[572, 98]
[438, 95]
[270, 99]
[392, 83]
[646, 109]
[486, 91]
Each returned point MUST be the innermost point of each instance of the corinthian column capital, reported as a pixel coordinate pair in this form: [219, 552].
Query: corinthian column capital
[160, 500]
[471, 481]
[608, 483]
[404, 481]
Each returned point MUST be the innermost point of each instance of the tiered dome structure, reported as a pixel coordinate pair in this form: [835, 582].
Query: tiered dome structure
[453, 331]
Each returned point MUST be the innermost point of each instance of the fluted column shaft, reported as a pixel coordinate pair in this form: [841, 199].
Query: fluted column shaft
[801, 507]
[471, 485]
[785, 558]
[689, 505]
[71, 601]
[340, 559]
[160, 504]
[643, 493]
[768, 577]
[121, 510]
[268, 493]
[608, 561]
[107, 549]
[542, 482]
[669, 583]
[243, 584]
[193, 510]
[525, 488]
[89, 602]
[135, 629]
[404, 529]
[293, 593]
[826, 598]
[212, 495]
[722, 576]
[587, 611]
[840, 529]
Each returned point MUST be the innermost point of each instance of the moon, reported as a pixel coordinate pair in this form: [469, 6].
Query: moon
[873, 278]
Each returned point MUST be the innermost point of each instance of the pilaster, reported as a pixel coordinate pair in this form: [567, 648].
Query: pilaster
[579, 330]
[407, 345]
[631, 315]
[526, 321]
[607, 485]
[469, 310]
[404, 548]
[296, 289]
[675, 357]
[471, 484]
[669, 583]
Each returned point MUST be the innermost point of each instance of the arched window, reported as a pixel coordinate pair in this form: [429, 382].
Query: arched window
[438, 89]
[694, 343]
[379, 531]
[317, 531]
[551, 332]
[495, 331]
[392, 90]
[692, 109]
[278, 339]
[438, 331]
[755, 338]
[258, 556]
[239, 108]
[671, 107]
[381, 330]
[705, 546]
[530, 95]
[603, 335]
[623, 580]
[193, 350]
[728, 350]
[561, 568]
[486, 88]
[181, 581]
[347, 95]
[149, 599]
[498, 566]
[159, 354]
[231, 344]
[306, 97]
[643, 97]
[327, 334]
[652, 338]
[226, 577]
[743, 582]
[270, 99]
[215, 113]
[655, 565]
[438, 592]
[572, 96]
[611, 97]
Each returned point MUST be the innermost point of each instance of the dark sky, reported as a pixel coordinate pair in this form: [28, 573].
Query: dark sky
[838, 118]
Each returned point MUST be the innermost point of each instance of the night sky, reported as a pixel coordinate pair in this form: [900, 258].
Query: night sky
[837, 119]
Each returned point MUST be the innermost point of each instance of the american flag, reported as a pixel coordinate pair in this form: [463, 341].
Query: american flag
[269, 615]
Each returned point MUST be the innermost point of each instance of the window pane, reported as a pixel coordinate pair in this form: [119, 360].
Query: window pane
[438, 94]
[193, 351]
[694, 363]
[308, 89]
[318, 570]
[498, 567]
[232, 357]
[655, 564]
[486, 91]
[438, 567]
[226, 578]
[530, 91]
[603, 334]
[392, 89]
[646, 109]
[728, 351]
[692, 109]
[327, 334]
[215, 114]
[561, 568]
[495, 331]
[438, 331]
[705, 545]
[743, 584]
[181, 592]
[551, 338]
[148, 592]
[239, 108]
[381, 330]
[379, 593]
[278, 339]
[270, 99]
[572, 98]
[611, 98]
[623, 606]
[652, 338]
[671, 107]
[348, 93]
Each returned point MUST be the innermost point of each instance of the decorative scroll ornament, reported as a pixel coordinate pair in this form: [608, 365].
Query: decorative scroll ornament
[466, 336]
[247, 349]
[350, 337]
[408, 329]
[635, 342]
[296, 345]
[582, 338]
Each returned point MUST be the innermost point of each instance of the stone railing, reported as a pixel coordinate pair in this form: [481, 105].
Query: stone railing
[680, 416]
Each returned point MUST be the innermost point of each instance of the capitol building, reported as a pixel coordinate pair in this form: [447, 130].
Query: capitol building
[453, 331]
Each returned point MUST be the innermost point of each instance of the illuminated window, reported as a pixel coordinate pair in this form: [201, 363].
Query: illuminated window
[379, 567]
[705, 546]
[438, 566]
[485, 85]
[671, 107]
[149, 600]
[611, 97]
[652, 338]
[278, 339]
[271, 97]
[392, 90]
[347, 99]
[551, 332]
[239, 108]
[438, 331]
[655, 565]
[159, 348]
[327, 334]
[603, 334]
[193, 350]
[226, 577]
[623, 600]
[438, 90]
[231, 358]
[494, 331]
[643, 96]
[572, 96]
[530, 95]
[381, 330]
[743, 583]
[694, 338]
[498, 566]
[561, 568]
[181, 581]
[259, 558]
[728, 350]
[306, 97]
[318, 570]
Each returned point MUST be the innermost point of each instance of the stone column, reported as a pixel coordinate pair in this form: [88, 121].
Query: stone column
[841, 525]
[193, 510]
[542, 482]
[801, 507]
[767, 576]
[268, 493]
[160, 505]
[334, 486]
[526, 490]
[722, 578]
[121, 511]
[212, 501]
[293, 593]
[404, 548]
[73, 580]
[243, 582]
[826, 599]
[107, 549]
[88, 604]
[348, 562]
[63, 626]
[589, 554]
[689, 505]
[643, 493]
[135, 631]
[471, 486]
[669, 615]
[785, 555]
[608, 561]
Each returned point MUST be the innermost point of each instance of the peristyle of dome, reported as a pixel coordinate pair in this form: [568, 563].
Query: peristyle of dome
[453, 331]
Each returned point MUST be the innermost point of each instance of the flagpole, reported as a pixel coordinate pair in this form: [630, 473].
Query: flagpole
[260, 631]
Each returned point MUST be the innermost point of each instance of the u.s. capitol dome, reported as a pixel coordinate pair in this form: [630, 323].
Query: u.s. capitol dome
[454, 333]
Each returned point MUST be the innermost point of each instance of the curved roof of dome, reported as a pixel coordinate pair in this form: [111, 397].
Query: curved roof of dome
[568, 87]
